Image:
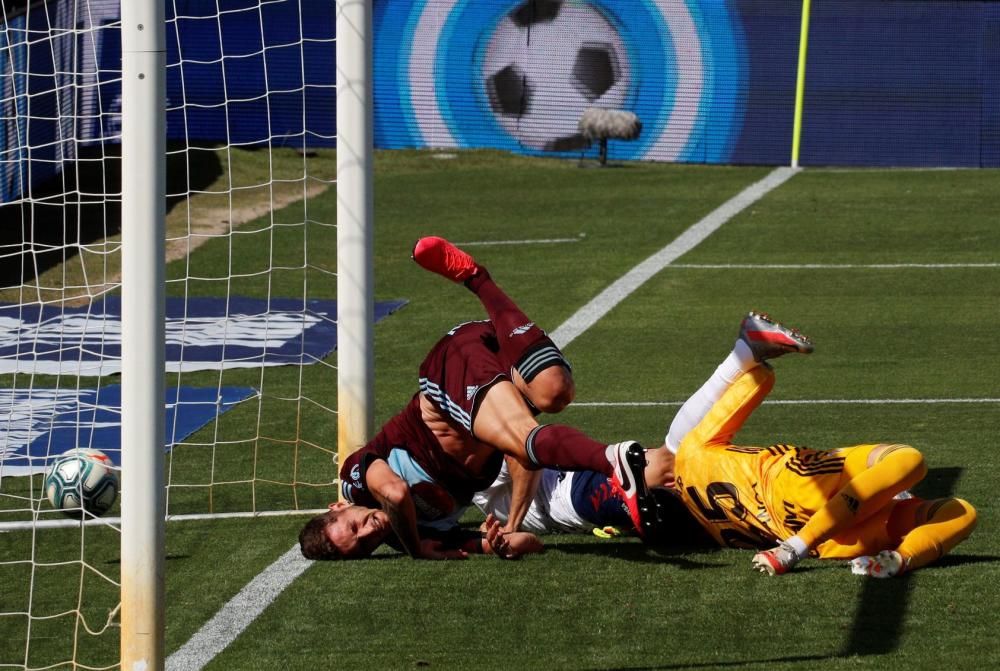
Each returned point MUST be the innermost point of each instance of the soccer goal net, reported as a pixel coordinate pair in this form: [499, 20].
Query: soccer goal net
[251, 289]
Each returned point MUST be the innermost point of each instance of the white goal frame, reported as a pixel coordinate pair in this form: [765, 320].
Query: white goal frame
[355, 224]
[143, 502]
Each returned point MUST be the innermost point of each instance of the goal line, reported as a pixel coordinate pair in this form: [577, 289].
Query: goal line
[115, 522]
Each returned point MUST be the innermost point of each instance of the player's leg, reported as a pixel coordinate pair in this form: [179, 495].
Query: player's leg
[540, 371]
[504, 421]
[587, 500]
[928, 529]
[760, 338]
[940, 525]
[872, 476]
[729, 413]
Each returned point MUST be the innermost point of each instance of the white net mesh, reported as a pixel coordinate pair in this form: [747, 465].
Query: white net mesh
[251, 250]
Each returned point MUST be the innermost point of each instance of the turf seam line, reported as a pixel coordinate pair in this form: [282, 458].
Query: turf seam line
[216, 634]
[238, 613]
[537, 241]
[624, 286]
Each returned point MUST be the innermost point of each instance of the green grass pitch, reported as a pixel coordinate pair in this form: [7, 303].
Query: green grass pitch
[892, 273]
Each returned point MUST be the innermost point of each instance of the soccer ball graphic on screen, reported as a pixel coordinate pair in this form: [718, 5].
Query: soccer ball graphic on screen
[80, 480]
[548, 61]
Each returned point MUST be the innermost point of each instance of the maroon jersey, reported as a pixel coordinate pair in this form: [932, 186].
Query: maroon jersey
[454, 376]
[441, 487]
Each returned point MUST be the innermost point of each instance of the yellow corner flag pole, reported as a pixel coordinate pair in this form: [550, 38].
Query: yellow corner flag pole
[800, 83]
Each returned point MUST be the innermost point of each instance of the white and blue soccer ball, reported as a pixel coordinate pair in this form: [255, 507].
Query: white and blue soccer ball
[82, 479]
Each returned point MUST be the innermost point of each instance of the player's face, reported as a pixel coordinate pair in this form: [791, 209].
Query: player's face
[357, 531]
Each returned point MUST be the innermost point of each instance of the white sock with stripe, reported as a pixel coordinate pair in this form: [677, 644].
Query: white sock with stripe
[739, 361]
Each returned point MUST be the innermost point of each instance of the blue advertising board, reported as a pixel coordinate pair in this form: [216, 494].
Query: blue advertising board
[901, 83]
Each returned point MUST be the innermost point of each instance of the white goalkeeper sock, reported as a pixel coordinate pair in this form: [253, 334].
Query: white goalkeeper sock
[797, 544]
[739, 361]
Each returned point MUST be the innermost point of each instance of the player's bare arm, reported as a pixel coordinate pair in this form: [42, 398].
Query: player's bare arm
[393, 496]
[524, 486]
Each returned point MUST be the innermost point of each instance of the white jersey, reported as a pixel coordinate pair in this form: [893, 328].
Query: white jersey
[551, 510]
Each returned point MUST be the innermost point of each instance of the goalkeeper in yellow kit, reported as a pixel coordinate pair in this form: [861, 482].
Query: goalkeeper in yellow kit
[848, 503]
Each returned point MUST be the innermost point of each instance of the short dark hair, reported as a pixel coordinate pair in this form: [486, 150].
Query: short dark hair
[681, 529]
[313, 540]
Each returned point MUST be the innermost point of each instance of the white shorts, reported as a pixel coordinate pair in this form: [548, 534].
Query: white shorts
[551, 510]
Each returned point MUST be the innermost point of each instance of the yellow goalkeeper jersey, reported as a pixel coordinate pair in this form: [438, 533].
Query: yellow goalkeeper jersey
[754, 496]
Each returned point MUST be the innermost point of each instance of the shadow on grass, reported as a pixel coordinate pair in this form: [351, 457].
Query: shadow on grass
[959, 560]
[630, 551]
[879, 617]
[169, 557]
[881, 611]
[82, 205]
[939, 483]
[637, 552]
[790, 659]
[880, 614]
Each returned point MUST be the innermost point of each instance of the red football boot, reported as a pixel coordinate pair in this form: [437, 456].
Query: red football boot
[769, 339]
[776, 561]
[440, 256]
[629, 478]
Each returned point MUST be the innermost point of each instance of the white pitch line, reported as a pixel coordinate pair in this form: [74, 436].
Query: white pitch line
[809, 401]
[236, 615]
[830, 266]
[115, 522]
[605, 301]
[537, 241]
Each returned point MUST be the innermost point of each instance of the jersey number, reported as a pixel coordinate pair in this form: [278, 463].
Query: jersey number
[714, 512]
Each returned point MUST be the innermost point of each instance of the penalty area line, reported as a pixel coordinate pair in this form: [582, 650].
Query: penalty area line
[622, 288]
[216, 634]
[830, 266]
[804, 401]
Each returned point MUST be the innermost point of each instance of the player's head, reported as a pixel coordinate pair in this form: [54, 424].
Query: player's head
[679, 528]
[345, 531]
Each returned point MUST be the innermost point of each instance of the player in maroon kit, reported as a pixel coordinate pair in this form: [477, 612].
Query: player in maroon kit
[481, 387]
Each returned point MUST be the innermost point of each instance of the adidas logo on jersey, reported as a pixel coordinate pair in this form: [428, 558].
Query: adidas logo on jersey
[852, 503]
[521, 330]
[470, 391]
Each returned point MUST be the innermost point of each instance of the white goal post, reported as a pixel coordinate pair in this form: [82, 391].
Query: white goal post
[189, 191]
[143, 498]
[355, 224]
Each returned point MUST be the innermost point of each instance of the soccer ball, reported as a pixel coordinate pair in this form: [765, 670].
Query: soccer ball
[81, 480]
[547, 62]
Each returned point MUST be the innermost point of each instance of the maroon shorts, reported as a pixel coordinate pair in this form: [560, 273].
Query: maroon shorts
[468, 360]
